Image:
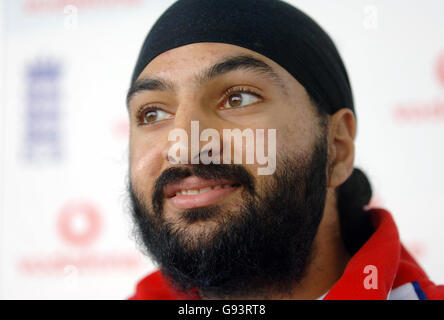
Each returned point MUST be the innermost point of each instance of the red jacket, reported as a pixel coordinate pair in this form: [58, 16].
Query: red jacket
[398, 275]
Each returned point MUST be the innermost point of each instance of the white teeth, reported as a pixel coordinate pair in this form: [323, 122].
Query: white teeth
[194, 192]
[204, 189]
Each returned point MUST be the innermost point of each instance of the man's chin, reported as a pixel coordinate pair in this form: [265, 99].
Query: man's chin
[199, 225]
[199, 228]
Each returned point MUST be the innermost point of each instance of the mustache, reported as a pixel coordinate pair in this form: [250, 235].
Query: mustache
[211, 171]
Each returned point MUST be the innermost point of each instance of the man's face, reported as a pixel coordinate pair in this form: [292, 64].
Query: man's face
[198, 219]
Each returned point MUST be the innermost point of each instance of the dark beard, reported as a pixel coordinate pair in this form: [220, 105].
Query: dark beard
[262, 247]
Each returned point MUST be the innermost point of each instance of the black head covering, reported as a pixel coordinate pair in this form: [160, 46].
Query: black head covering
[272, 28]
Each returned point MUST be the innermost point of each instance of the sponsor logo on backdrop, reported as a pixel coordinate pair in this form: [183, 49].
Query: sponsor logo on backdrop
[120, 129]
[440, 69]
[425, 111]
[79, 225]
[57, 6]
[42, 111]
[375, 202]
[417, 248]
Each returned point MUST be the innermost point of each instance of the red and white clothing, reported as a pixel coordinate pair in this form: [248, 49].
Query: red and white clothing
[398, 275]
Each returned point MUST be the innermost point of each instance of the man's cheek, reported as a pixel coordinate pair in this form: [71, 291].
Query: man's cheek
[145, 167]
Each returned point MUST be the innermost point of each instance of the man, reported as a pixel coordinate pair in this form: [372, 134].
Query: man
[227, 230]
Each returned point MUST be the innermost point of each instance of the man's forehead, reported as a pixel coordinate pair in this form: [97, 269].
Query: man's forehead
[202, 62]
[192, 59]
[208, 51]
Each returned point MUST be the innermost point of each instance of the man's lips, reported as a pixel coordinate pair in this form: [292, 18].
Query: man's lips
[194, 192]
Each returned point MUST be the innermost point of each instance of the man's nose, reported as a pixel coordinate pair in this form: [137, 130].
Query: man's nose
[185, 145]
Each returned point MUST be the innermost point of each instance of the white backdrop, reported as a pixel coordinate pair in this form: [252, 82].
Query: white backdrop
[65, 68]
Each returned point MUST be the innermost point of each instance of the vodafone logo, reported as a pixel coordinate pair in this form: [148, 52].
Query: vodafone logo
[79, 223]
[423, 111]
[440, 68]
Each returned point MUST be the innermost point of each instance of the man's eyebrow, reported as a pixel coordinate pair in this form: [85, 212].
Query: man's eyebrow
[241, 62]
[147, 84]
[228, 64]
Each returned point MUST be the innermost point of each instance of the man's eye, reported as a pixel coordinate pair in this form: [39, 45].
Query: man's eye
[240, 99]
[151, 115]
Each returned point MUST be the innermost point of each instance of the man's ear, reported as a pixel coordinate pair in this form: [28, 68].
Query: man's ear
[341, 135]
